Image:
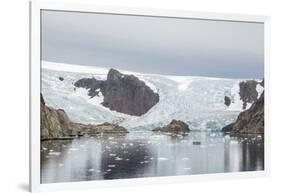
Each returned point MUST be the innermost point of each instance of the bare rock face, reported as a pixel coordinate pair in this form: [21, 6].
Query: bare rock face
[249, 121]
[123, 93]
[55, 124]
[92, 84]
[248, 92]
[176, 126]
[227, 100]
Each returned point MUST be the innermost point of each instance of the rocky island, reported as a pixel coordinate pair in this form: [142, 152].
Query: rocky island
[176, 126]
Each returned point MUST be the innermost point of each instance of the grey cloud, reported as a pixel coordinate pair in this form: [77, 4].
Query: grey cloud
[154, 45]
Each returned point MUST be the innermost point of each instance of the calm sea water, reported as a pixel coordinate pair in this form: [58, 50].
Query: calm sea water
[147, 154]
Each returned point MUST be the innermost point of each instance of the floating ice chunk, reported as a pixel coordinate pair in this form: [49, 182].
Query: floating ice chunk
[109, 170]
[54, 153]
[233, 142]
[118, 158]
[73, 149]
[187, 168]
[60, 165]
[44, 148]
[112, 154]
[227, 137]
[185, 159]
[91, 170]
[163, 159]
[111, 166]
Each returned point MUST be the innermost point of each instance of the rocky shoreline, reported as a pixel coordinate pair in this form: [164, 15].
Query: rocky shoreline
[129, 95]
[250, 121]
[55, 124]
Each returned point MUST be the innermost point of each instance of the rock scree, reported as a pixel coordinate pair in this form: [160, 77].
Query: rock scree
[122, 93]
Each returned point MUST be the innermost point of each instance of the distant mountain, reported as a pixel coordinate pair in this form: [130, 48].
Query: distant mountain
[197, 101]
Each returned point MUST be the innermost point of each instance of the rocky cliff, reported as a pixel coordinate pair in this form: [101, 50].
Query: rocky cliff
[176, 126]
[248, 92]
[249, 121]
[55, 124]
[123, 93]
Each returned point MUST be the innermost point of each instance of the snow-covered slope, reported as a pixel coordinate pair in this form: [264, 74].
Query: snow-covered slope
[199, 101]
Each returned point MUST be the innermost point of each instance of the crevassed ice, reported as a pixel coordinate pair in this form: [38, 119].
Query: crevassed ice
[199, 101]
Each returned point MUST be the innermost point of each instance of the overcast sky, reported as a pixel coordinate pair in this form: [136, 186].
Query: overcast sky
[154, 45]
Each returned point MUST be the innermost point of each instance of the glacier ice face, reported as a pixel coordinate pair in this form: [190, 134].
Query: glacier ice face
[199, 101]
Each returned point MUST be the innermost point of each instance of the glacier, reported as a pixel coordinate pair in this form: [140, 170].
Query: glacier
[198, 101]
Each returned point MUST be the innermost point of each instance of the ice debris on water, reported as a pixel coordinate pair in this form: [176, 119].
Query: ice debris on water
[54, 153]
[118, 158]
[162, 159]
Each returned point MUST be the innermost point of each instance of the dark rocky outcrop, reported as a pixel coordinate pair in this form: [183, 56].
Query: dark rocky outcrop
[227, 100]
[55, 124]
[249, 121]
[61, 78]
[248, 92]
[123, 93]
[92, 84]
[176, 126]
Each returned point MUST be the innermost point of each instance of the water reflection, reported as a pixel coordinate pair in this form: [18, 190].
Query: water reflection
[146, 154]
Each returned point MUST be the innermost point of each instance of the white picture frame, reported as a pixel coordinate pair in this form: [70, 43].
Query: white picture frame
[37, 6]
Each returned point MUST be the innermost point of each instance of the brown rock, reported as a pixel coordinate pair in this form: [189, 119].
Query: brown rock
[176, 126]
[249, 121]
[123, 93]
[55, 124]
[248, 92]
